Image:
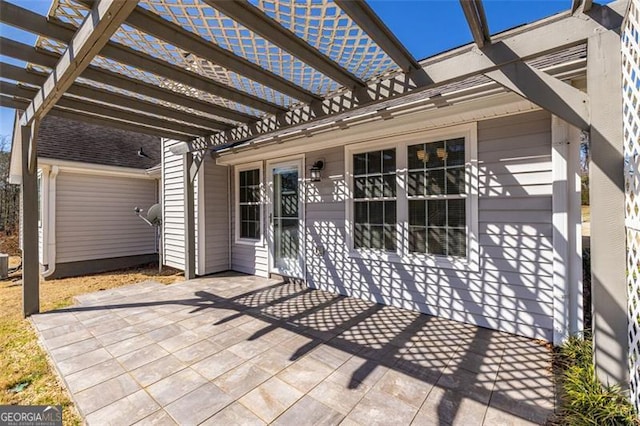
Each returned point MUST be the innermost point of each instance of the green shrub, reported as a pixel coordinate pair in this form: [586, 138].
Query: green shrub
[586, 401]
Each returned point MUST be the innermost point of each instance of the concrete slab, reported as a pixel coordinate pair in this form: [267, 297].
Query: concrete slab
[237, 349]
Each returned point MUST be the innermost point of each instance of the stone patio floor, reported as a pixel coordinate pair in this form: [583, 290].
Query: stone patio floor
[237, 349]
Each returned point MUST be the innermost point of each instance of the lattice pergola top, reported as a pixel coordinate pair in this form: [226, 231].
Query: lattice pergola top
[216, 73]
[322, 24]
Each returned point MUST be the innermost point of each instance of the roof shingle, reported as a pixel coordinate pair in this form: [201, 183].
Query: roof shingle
[71, 140]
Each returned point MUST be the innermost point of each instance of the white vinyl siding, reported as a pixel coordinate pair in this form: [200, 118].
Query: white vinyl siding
[215, 191]
[95, 217]
[511, 291]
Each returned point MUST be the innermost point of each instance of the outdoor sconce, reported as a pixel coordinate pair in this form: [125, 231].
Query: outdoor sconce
[315, 171]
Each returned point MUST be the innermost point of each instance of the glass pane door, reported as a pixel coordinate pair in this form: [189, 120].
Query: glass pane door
[286, 217]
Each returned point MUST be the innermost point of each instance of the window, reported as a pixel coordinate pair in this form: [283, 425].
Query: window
[249, 205]
[374, 184]
[414, 199]
[436, 197]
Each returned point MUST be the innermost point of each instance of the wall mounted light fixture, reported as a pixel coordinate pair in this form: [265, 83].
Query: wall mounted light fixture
[316, 169]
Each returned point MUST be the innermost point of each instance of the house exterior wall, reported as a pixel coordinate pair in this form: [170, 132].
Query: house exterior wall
[95, 218]
[511, 290]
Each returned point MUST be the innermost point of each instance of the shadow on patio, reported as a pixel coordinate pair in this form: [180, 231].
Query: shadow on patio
[236, 349]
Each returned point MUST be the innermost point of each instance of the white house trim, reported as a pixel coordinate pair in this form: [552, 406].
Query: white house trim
[298, 160]
[201, 260]
[378, 129]
[95, 169]
[567, 239]
[236, 183]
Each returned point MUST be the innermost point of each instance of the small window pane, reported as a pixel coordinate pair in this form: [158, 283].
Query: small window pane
[435, 182]
[360, 239]
[455, 181]
[437, 213]
[437, 243]
[436, 153]
[417, 213]
[376, 212]
[389, 186]
[377, 237]
[389, 161]
[255, 177]
[361, 212]
[390, 237]
[417, 239]
[374, 162]
[416, 156]
[457, 243]
[390, 212]
[359, 187]
[359, 164]
[416, 183]
[456, 213]
[455, 152]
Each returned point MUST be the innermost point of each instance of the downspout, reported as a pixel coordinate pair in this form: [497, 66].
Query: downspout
[51, 219]
[230, 212]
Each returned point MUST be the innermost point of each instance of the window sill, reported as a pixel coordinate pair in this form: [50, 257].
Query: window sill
[418, 260]
[253, 243]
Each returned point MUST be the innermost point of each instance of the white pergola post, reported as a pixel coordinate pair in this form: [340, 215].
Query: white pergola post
[606, 180]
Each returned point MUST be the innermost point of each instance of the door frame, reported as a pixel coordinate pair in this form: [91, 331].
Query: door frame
[297, 160]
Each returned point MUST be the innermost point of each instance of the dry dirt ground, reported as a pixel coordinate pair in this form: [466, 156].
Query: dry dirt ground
[25, 374]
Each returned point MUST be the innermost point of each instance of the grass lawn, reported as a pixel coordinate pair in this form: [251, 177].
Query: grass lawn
[23, 362]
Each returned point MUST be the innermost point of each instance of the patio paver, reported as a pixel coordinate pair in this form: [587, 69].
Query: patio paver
[238, 349]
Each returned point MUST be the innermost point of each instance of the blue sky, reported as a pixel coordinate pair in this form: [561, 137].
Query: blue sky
[426, 27]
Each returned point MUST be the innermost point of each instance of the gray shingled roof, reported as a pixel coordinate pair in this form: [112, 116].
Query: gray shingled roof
[71, 140]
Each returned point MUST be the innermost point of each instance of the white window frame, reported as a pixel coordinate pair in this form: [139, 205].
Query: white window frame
[241, 168]
[402, 255]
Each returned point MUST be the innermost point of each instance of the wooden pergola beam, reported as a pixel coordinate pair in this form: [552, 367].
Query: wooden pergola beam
[362, 14]
[69, 114]
[12, 72]
[33, 55]
[586, 5]
[477, 21]
[113, 112]
[99, 25]
[257, 21]
[37, 24]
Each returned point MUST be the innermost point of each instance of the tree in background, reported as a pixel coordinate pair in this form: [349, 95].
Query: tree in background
[585, 158]
[9, 194]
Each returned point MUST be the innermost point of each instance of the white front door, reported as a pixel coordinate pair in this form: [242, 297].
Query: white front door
[286, 218]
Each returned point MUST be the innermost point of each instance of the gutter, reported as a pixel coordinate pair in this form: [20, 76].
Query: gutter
[51, 221]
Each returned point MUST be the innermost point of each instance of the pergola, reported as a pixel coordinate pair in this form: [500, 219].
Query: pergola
[221, 74]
